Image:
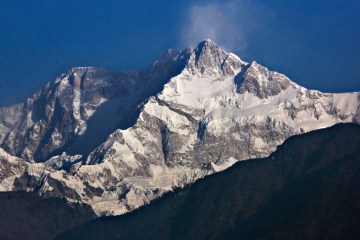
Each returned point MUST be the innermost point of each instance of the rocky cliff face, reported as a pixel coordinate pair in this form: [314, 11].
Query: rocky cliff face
[216, 110]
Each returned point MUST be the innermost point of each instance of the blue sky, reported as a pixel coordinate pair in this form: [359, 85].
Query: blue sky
[315, 43]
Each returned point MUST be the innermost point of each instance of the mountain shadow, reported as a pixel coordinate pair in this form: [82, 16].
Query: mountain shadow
[308, 189]
[25, 215]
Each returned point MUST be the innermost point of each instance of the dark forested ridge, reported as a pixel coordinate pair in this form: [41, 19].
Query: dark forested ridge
[308, 189]
[26, 216]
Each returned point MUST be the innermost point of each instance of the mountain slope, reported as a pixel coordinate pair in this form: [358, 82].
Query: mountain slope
[64, 115]
[307, 189]
[216, 111]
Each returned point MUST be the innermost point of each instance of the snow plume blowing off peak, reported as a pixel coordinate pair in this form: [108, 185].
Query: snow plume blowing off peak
[228, 23]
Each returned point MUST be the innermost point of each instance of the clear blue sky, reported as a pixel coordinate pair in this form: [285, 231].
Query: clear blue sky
[315, 43]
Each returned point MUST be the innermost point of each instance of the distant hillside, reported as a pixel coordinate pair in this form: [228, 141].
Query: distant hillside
[308, 189]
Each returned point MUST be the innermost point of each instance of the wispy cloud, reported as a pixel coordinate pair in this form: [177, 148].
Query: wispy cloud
[228, 23]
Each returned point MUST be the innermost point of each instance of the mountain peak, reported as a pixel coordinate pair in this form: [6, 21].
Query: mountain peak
[209, 58]
[207, 43]
[208, 46]
[81, 70]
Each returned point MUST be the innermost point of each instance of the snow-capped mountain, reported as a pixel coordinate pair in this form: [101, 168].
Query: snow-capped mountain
[208, 110]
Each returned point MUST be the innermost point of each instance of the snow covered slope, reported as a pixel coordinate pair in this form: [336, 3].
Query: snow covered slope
[218, 110]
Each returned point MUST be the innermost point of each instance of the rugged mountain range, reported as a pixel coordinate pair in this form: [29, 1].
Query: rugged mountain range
[118, 141]
[307, 189]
